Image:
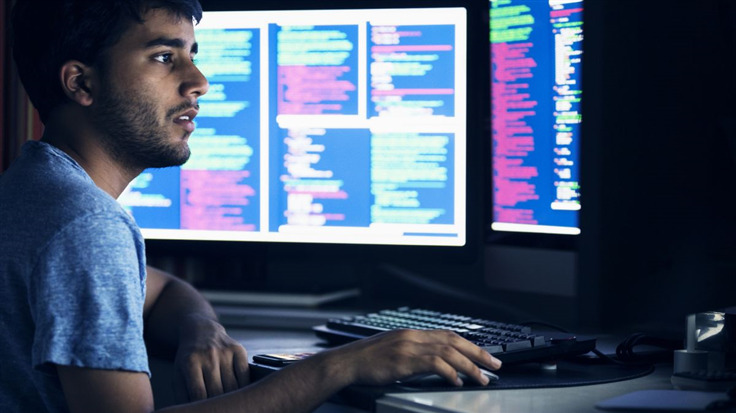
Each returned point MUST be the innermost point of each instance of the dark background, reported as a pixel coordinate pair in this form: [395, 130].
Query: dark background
[661, 121]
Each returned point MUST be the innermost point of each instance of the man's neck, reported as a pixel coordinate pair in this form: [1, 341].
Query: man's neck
[82, 144]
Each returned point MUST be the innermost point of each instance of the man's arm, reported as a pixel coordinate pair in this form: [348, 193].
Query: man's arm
[301, 387]
[178, 319]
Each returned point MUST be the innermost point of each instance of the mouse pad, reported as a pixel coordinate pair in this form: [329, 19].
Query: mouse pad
[534, 375]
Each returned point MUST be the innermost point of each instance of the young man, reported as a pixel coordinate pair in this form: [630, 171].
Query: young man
[117, 89]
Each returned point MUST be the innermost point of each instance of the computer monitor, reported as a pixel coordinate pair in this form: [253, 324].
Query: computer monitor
[532, 252]
[536, 83]
[325, 124]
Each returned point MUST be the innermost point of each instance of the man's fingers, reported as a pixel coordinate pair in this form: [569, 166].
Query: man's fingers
[241, 367]
[457, 362]
[194, 382]
[471, 351]
[467, 356]
[399, 354]
[447, 354]
[440, 366]
[213, 379]
[212, 371]
[227, 375]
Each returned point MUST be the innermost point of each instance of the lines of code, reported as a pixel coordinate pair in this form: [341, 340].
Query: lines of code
[411, 177]
[536, 52]
[317, 69]
[219, 185]
[323, 186]
[215, 200]
[412, 70]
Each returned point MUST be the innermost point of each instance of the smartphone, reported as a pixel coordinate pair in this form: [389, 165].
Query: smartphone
[279, 360]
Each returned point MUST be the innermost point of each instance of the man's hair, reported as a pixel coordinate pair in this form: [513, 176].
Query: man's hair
[47, 34]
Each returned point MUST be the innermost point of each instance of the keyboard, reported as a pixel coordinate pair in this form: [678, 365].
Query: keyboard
[510, 343]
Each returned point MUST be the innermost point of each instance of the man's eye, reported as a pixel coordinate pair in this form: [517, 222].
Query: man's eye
[163, 58]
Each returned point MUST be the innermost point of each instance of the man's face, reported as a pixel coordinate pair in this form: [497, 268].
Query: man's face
[148, 92]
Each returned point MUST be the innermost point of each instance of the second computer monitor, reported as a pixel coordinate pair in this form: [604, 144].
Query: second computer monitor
[536, 58]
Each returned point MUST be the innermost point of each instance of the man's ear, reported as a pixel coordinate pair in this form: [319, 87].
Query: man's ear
[77, 82]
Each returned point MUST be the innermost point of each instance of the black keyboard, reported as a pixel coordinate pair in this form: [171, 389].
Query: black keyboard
[511, 343]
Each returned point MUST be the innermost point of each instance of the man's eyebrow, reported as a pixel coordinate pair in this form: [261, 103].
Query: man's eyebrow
[171, 42]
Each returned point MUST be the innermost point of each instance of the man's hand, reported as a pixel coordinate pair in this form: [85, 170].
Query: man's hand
[208, 361]
[396, 355]
[180, 321]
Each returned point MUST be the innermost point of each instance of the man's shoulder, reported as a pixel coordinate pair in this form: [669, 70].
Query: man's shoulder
[46, 177]
[42, 165]
[45, 191]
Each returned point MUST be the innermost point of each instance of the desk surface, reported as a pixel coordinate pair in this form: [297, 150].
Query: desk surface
[258, 340]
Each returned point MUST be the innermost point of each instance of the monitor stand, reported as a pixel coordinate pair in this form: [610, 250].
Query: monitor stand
[254, 281]
[279, 297]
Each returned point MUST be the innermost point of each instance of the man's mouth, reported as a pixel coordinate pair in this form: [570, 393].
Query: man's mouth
[186, 120]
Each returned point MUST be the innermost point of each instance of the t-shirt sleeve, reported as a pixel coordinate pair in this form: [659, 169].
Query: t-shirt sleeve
[86, 295]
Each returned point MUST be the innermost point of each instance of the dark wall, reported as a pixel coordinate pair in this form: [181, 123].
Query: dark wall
[660, 118]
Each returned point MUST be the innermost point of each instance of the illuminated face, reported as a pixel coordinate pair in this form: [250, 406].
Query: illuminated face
[148, 93]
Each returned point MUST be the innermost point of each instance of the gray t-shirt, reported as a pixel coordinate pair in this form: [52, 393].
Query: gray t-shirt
[72, 280]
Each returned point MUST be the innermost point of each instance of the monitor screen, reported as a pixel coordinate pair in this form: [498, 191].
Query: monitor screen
[321, 126]
[536, 54]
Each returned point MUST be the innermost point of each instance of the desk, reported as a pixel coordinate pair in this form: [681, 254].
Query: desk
[577, 399]
[568, 399]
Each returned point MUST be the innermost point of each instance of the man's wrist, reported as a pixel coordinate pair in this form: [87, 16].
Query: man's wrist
[193, 325]
[336, 366]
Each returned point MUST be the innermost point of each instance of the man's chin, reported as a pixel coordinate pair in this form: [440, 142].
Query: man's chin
[179, 153]
[165, 160]
[179, 160]
[183, 159]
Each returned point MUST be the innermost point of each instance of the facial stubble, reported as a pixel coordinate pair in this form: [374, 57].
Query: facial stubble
[134, 134]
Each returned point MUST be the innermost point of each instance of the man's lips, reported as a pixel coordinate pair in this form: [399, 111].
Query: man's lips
[186, 119]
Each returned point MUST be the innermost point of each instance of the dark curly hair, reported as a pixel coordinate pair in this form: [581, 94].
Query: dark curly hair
[47, 34]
